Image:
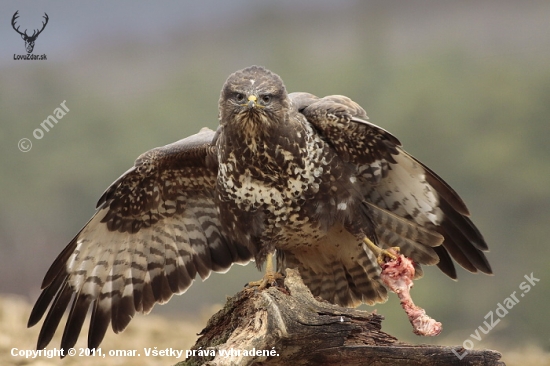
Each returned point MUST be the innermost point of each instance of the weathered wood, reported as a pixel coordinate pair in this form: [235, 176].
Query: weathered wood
[300, 330]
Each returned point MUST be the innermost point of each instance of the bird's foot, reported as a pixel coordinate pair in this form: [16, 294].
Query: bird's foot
[382, 255]
[270, 279]
[388, 255]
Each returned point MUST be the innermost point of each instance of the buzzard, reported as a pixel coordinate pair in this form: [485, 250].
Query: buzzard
[308, 178]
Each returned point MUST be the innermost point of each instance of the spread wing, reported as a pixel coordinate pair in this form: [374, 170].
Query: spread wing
[156, 227]
[411, 206]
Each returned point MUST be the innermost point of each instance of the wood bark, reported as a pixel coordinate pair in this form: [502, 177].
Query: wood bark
[286, 325]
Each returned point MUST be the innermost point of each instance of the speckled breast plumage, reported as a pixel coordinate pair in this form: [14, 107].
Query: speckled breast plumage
[274, 193]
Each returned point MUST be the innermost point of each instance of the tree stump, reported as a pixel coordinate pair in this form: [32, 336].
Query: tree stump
[286, 325]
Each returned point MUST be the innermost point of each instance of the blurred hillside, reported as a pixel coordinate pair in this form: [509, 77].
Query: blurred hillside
[465, 87]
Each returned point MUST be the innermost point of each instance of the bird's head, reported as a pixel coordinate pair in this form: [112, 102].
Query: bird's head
[253, 99]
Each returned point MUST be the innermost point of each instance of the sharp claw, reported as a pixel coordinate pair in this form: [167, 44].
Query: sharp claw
[392, 254]
[270, 279]
[382, 254]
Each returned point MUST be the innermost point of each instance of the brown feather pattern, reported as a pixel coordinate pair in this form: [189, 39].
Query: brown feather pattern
[306, 176]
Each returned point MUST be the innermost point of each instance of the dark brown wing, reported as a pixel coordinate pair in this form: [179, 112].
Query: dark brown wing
[411, 205]
[156, 227]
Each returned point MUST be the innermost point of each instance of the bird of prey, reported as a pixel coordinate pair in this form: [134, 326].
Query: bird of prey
[306, 177]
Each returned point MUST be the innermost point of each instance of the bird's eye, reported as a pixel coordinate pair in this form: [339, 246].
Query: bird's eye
[240, 97]
[266, 98]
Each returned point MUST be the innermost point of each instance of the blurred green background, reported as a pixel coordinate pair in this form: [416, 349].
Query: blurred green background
[464, 85]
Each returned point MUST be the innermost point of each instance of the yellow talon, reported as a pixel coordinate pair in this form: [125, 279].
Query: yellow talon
[270, 278]
[382, 254]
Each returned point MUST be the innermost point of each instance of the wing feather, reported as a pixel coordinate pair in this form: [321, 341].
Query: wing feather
[99, 322]
[403, 194]
[156, 228]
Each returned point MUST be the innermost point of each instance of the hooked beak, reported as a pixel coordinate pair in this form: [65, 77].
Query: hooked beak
[252, 101]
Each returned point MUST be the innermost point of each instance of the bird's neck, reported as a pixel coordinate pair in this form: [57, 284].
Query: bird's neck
[259, 134]
[266, 148]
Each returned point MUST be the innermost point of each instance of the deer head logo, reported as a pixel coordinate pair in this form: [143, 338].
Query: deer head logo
[29, 40]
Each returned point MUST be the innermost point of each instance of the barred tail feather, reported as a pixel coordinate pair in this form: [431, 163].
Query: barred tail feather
[340, 270]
